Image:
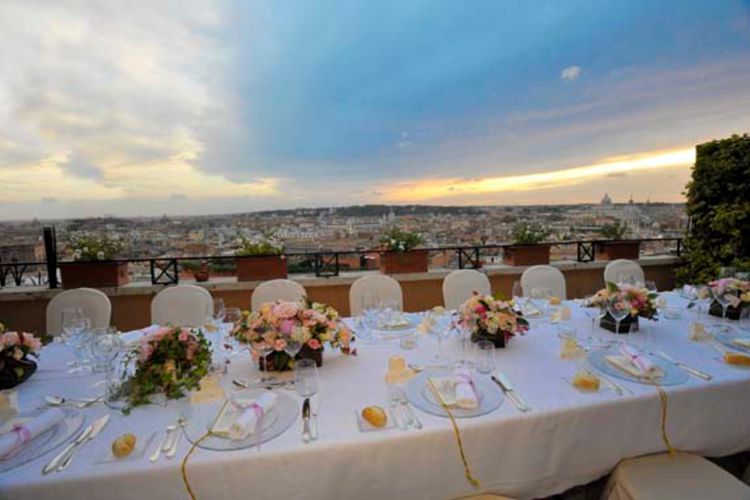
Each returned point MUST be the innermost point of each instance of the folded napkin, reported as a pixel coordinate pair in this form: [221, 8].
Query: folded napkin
[134, 336]
[246, 423]
[742, 343]
[466, 396]
[635, 364]
[23, 432]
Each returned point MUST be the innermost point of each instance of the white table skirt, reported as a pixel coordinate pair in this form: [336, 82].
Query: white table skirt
[569, 438]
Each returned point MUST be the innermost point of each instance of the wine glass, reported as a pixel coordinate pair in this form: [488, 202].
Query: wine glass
[723, 300]
[232, 315]
[592, 313]
[464, 333]
[74, 327]
[293, 347]
[651, 286]
[219, 311]
[618, 311]
[539, 297]
[105, 347]
[306, 378]
[517, 294]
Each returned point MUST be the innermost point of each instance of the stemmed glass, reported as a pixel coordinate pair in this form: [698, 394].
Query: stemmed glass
[591, 313]
[517, 294]
[618, 311]
[723, 300]
[263, 350]
[219, 311]
[464, 333]
[292, 348]
[440, 332]
[306, 378]
[74, 327]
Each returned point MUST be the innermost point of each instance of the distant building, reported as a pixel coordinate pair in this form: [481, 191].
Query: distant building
[606, 200]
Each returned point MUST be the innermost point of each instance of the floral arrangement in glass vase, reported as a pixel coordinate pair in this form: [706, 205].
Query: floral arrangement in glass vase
[283, 331]
[730, 297]
[624, 304]
[491, 319]
[170, 361]
[15, 349]
[91, 247]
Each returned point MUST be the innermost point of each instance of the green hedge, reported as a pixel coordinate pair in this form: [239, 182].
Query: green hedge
[718, 204]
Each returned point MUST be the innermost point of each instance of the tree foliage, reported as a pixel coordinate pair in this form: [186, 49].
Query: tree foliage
[718, 204]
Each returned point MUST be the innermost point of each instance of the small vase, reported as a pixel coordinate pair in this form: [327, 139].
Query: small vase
[14, 372]
[499, 340]
[278, 361]
[734, 313]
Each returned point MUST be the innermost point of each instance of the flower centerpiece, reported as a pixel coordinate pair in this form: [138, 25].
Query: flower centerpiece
[491, 319]
[170, 361]
[93, 264]
[638, 302]
[281, 324]
[734, 292]
[15, 349]
[399, 253]
[260, 260]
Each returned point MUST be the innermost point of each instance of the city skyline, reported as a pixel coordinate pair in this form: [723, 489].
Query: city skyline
[224, 108]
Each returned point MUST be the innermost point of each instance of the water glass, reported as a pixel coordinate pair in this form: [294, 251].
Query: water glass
[306, 377]
[408, 340]
[485, 356]
[105, 345]
[219, 311]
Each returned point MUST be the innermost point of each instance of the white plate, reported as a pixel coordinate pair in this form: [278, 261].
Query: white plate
[420, 395]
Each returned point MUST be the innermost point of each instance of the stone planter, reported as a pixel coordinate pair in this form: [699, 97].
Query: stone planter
[93, 274]
[499, 340]
[526, 255]
[261, 268]
[203, 272]
[14, 372]
[613, 250]
[279, 361]
[609, 323]
[413, 261]
[734, 313]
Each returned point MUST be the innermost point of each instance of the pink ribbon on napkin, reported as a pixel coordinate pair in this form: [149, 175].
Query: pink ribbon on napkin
[23, 435]
[643, 364]
[466, 394]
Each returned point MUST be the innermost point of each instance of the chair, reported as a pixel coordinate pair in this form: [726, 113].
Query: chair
[624, 270]
[182, 305]
[94, 303]
[385, 287]
[270, 291]
[459, 285]
[543, 277]
[682, 476]
[485, 496]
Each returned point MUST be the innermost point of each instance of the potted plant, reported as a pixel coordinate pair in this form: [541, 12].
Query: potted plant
[399, 253]
[282, 331]
[528, 249]
[260, 260]
[15, 349]
[615, 247]
[735, 295]
[93, 264]
[635, 301]
[491, 319]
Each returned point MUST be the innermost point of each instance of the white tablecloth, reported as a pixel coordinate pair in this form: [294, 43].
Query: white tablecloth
[568, 439]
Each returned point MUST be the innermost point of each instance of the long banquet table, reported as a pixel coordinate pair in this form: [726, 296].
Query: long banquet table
[569, 438]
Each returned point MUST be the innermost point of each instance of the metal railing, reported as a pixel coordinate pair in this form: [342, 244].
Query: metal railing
[166, 270]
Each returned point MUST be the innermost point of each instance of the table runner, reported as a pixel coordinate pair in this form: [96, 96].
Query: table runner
[569, 438]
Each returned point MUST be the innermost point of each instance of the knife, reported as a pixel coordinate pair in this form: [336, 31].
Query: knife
[689, 369]
[315, 407]
[97, 426]
[52, 464]
[306, 435]
[520, 403]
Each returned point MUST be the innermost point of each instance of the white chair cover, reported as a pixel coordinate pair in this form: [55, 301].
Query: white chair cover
[270, 291]
[384, 286]
[182, 305]
[624, 269]
[94, 303]
[543, 277]
[682, 476]
[459, 285]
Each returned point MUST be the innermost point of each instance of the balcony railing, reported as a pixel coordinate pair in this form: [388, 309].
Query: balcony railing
[167, 270]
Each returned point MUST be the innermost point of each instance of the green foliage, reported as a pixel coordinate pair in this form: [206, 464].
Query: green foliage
[529, 234]
[614, 231]
[718, 204]
[400, 241]
[88, 247]
[265, 246]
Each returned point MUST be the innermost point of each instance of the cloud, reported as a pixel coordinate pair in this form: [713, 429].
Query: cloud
[570, 73]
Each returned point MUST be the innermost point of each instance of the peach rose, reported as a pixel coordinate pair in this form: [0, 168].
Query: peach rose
[314, 344]
[285, 309]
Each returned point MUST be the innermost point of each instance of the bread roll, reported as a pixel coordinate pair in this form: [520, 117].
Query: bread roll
[737, 358]
[375, 415]
[123, 445]
[586, 381]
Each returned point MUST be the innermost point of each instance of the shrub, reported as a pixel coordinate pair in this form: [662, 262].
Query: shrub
[89, 247]
[400, 241]
[614, 231]
[718, 204]
[260, 247]
[529, 234]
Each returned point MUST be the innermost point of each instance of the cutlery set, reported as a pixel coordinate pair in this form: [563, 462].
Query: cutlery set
[63, 459]
[510, 392]
[170, 442]
[407, 417]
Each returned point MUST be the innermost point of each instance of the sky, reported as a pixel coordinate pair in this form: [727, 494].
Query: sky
[145, 108]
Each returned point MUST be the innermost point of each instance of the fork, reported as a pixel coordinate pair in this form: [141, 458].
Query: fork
[401, 396]
[400, 421]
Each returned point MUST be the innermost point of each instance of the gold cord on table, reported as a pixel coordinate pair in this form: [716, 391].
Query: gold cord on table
[183, 466]
[664, 436]
[467, 470]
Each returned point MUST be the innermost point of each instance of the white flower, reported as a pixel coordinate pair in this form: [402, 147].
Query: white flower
[100, 255]
[85, 249]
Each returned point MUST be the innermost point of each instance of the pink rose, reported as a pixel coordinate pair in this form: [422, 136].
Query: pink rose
[280, 345]
[286, 326]
[314, 344]
[285, 309]
[183, 337]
